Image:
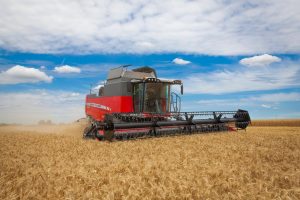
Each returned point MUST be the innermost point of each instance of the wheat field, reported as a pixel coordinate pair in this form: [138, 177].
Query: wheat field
[54, 162]
[276, 122]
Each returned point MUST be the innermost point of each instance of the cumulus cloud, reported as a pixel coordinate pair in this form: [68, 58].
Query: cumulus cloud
[95, 90]
[21, 74]
[266, 106]
[67, 69]
[180, 61]
[32, 106]
[75, 94]
[145, 45]
[262, 60]
[214, 27]
[285, 75]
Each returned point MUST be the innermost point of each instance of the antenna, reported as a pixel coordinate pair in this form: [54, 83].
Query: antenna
[63, 61]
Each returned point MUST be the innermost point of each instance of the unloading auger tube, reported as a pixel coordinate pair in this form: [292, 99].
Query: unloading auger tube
[124, 126]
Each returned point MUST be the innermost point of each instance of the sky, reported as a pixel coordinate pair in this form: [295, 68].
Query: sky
[229, 54]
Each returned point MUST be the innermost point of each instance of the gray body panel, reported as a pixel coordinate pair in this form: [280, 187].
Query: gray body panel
[119, 81]
[118, 89]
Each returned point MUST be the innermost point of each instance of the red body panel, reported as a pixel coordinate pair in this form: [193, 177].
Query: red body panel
[96, 107]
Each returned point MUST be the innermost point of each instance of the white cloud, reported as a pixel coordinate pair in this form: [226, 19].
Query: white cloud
[262, 60]
[145, 45]
[20, 74]
[285, 75]
[180, 61]
[95, 90]
[215, 27]
[67, 69]
[33, 106]
[266, 106]
[278, 97]
[75, 94]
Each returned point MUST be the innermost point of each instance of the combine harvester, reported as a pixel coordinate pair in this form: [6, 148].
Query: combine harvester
[136, 104]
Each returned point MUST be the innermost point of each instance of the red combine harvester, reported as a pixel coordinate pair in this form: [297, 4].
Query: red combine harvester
[137, 104]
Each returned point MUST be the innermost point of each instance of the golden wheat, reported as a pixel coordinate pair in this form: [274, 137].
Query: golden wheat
[276, 122]
[54, 162]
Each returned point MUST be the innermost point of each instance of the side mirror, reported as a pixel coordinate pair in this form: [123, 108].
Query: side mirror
[181, 89]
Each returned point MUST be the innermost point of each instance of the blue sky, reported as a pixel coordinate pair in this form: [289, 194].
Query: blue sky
[229, 54]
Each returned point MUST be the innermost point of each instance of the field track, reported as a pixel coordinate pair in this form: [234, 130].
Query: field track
[53, 162]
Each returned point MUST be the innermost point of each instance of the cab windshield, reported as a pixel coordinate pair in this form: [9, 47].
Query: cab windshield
[151, 97]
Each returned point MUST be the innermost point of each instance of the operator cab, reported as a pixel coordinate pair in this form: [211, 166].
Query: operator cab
[154, 95]
[148, 94]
